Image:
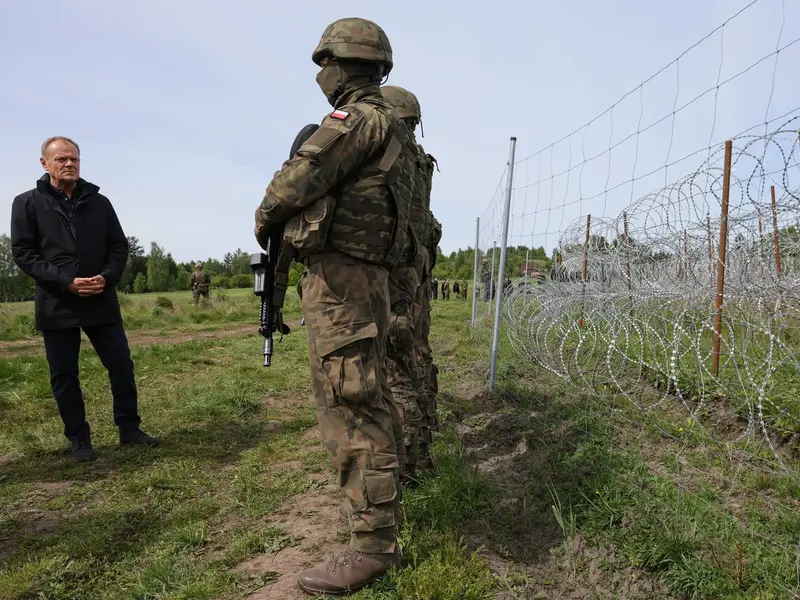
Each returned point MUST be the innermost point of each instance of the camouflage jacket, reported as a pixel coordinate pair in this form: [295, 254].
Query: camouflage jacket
[350, 137]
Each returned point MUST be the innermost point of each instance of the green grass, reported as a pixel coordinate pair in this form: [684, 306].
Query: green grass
[170, 522]
[654, 500]
[163, 312]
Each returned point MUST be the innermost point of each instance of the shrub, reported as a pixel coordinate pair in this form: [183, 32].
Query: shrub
[123, 299]
[242, 280]
[164, 302]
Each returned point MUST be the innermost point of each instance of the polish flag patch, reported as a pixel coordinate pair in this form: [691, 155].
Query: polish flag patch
[340, 114]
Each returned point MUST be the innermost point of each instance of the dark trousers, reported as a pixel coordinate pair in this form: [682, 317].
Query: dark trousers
[62, 347]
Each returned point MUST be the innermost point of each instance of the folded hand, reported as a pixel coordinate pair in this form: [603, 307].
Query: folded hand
[87, 286]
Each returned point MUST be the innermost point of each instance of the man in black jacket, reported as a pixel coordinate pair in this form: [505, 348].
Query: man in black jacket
[66, 236]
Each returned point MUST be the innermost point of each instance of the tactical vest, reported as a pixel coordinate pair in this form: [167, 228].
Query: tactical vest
[200, 281]
[371, 218]
[421, 217]
[433, 240]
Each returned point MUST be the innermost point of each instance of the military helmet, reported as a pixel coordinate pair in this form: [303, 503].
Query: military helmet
[198, 265]
[355, 39]
[404, 102]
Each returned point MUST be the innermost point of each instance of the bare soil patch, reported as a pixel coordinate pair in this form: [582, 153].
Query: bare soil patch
[312, 519]
[136, 338]
[521, 540]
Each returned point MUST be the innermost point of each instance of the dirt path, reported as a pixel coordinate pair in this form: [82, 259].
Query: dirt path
[34, 346]
[312, 520]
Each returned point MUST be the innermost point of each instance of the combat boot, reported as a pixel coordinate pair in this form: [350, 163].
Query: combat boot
[344, 511]
[346, 573]
[425, 462]
[409, 479]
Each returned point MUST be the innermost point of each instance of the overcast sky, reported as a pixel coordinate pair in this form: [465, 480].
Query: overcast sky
[184, 110]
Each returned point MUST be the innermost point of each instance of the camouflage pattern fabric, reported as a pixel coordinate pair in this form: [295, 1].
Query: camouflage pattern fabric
[355, 38]
[427, 385]
[367, 208]
[199, 283]
[345, 303]
[196, 296]
[402, 368]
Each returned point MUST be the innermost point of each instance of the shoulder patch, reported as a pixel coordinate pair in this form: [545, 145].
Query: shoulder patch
[340, 114]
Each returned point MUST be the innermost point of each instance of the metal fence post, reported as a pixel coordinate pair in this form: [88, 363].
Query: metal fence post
[502, 273]
[475, 272]
[491, 282]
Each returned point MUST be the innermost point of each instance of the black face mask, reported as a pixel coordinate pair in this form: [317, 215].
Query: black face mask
[331, 81]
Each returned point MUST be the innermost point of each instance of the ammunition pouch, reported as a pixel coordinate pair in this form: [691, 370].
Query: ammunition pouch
[307, 231]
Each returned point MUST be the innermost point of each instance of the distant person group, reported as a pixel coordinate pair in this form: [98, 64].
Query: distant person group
[365, 183]
[459, 289]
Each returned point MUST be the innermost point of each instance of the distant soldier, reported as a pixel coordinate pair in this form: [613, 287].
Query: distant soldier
[486, 279]
[464, 290]
[200, 282]
[435, 288]
[457, 289]
[446, 289]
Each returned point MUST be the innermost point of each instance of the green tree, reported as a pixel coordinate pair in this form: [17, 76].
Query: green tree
[14, 284]
[140, 284]
[183, 278]
[240, 263]
[158, 269]
[227, 263]
[136, 263]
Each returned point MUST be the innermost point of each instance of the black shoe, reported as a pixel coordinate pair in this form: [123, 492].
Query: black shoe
[82, 450]
[137, 437]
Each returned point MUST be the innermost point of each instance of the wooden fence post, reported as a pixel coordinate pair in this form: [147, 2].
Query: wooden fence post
[723, 251]
[585, 268]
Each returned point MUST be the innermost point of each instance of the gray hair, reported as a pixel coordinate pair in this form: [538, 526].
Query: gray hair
[56, 138]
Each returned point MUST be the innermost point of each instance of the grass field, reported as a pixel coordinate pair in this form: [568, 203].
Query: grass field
[541, 492]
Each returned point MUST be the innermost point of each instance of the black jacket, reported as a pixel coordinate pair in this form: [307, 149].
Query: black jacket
[55, 240]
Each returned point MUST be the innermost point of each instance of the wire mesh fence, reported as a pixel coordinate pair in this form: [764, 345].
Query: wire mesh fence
[662, 252]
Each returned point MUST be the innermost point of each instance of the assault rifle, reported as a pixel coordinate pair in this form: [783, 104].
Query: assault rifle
[271, 271]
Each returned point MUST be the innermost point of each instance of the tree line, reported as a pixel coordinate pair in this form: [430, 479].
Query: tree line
[459, 265]
[158, 271]
[153, 271]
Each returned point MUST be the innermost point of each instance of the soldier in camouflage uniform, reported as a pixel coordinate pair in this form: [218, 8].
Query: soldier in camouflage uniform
[429, 369]
[486, 279]
[199, 282]
[406, 286]
[344, 200]
[423, 223]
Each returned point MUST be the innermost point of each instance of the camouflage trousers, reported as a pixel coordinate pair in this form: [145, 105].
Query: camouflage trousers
[401, 359]
[346, 306]
[196, 296]
[428, 385]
